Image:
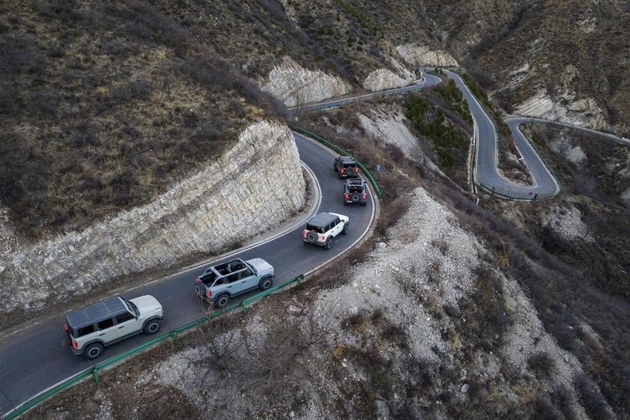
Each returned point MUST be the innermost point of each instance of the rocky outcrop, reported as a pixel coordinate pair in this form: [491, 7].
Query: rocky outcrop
[382, 79]
[294, 85]
[583, 112]
[421, 55]
[257, 184]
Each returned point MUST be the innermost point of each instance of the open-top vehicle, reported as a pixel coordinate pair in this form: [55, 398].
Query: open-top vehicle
[220, 283]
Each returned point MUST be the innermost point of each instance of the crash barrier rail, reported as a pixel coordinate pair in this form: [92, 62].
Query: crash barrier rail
[339, 150]
[94, 370]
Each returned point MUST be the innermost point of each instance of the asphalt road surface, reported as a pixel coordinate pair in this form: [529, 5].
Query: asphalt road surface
[34, 358]
[486, 173]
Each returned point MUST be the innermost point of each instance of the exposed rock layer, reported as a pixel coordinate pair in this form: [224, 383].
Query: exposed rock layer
[294, 85]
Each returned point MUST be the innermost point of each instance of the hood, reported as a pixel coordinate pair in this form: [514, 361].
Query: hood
[147, 304]
[261, 266]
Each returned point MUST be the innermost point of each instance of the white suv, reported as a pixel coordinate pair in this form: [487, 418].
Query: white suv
[90, 329]
[321, 229]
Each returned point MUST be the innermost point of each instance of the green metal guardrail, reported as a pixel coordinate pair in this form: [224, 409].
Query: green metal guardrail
[94, 370]
[338, 149]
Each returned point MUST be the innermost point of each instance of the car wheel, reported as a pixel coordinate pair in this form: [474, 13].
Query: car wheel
[265, 283]
[152, 327]
[222, 301]
[93, 351]
[329, 243]
[345, 228]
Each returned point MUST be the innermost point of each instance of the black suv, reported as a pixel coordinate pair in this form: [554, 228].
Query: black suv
[346, 167]
[355, 191]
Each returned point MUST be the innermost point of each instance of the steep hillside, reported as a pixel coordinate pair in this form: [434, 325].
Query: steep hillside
[566, 60]
[105, 105]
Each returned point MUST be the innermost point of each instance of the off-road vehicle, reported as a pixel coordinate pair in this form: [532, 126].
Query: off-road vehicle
[90, 329]
[355, 191]
[346, 167]
[220, 283]
[321, 229]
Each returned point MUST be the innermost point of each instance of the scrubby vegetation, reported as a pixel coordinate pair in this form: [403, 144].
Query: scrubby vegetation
[106, 106]
[450, 141]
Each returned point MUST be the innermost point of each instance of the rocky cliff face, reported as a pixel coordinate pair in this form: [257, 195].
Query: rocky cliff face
[421, 55]
[257, 183]
[294, 85]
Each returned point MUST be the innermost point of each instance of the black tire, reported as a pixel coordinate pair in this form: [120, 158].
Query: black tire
[328, 244]
[265, 283]
[364, 203]
[345, 228]
[152, 327]
[222, 301]
[93, 351]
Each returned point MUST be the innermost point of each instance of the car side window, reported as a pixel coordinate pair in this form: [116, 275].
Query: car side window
[232, 278]
[124, 318]
[105, 324]
[337, 221]
[245, 273]
[86, 330]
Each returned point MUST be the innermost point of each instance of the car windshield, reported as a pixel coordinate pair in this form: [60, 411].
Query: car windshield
[355, 188]
[132, 306]
[251, 267]
[349, 165]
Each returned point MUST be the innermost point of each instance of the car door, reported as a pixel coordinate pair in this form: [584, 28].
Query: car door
[127, 324]
[106, 330]
[234, 284]
[338, 227]
[248, 279]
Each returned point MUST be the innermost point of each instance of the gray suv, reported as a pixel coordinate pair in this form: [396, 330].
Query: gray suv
[219, 283]
[90, 329]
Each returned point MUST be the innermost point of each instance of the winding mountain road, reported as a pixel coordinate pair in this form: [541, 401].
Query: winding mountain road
[34, 359]
[486, 172]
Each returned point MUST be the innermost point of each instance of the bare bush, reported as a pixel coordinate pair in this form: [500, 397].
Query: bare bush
[541, 364]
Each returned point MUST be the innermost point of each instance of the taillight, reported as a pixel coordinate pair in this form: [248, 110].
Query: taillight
[209, 293]
[304, 233]
[198, 280]
[356, 170]
[322, 237]
[364, 196]
[75, 345]
[346, 196]
[343, 171]
[65, 327]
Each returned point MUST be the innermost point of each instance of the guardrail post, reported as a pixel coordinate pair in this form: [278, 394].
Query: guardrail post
[95, 375]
